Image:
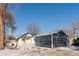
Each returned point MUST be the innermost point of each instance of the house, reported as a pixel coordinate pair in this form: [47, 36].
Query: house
[76, 42]
[10, 42]
[50, 40]
[26, 39]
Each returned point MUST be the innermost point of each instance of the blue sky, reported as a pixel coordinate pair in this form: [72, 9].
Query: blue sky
[47, 16]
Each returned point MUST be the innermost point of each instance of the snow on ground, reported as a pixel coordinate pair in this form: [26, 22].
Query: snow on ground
[39, 51]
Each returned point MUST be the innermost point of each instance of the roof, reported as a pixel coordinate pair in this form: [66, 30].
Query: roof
[23, 35]
[49, 33]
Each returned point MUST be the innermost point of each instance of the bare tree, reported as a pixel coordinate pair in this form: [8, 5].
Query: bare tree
[4, 12]
[10, 23]
[34, 29]
[74, 27]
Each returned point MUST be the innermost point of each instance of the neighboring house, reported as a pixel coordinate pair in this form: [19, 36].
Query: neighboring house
[55, 39]
[76, 42]
[26, 39]
[10, 42]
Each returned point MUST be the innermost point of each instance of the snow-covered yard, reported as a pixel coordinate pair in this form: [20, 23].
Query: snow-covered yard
[39, 51]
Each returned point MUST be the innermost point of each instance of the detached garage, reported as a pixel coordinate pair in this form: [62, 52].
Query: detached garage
[51, 40]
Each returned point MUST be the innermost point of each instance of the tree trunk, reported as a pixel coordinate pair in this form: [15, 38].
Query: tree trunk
[1, 32]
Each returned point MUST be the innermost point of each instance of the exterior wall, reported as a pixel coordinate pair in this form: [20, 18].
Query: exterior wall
[43, 41]
[26, 42]
[20, 42]
[30, 41]
[60, 39]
